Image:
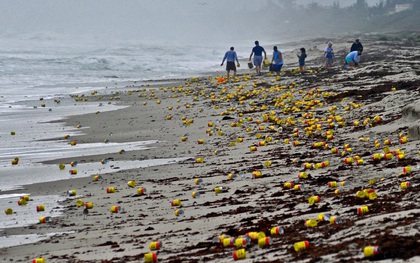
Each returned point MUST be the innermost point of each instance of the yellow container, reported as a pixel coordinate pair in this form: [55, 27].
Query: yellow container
[199, 160]
[265, 241]
[303, 175]
[114, 209]
[72, 192]
[79, 203]
[40, 208]
[253, 148]
[22, 202]
[407, 170]
[360, 194]
[276, 231]
[257, 174]
[179, 212]
[332, 184]
[362, 210]
[220, 189]
[176, 202]
[198, 181]
[150, 258]
[38, 260]
[110, 190]
[239, 254]
[370, 251]
[266, 63]
[132, 184]
[228, 242]
[288, 185]
[314, 199]
[156, 245]
[404, 185]
[311, 223]
[323, 217]
[8, 211]
[141, 191]
[302, 245]
[89, 205]
[242, 241]
[195, 194]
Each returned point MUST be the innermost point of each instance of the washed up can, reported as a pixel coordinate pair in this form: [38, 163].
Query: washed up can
[362, 210]
[334, 220]
[150, 258]
[141, 191]
[110, 190]
[404, 185]
[38, 260]
[8, 211]
[44, 219]
[265, 241]
[228, 242]
[220, 189]
[198, 181]
[276, 231]
[114, 209]
[242, 241]
[88, 205]
[132, 184]
[314, 199]
[176, 202]
[323, 217]
[179, 212]
[72, 192]
[195, 194]
[155, 245]
[302, 245]
[239, 254]
[40, 208]
[311, 223]
[370, 251]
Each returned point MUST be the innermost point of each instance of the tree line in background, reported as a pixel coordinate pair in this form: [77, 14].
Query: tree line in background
[359, 17]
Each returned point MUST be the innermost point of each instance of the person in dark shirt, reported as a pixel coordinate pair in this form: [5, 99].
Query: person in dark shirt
[302, 58]
[356, 46]
[257, 52]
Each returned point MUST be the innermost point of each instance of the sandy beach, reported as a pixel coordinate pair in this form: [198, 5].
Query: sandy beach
[264, 148]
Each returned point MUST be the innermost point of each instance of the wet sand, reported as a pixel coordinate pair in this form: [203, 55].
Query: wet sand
[292, 120]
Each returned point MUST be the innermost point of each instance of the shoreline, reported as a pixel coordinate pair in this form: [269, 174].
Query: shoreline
[250, 204]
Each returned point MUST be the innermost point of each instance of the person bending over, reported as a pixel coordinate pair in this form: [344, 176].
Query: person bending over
[352, 59]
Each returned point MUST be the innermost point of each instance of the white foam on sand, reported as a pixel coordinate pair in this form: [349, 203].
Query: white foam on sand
[30, 170]
[17, 240]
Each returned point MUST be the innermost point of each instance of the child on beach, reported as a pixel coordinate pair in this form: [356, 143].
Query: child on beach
[277, 60]
[302, 58]
[329, 55]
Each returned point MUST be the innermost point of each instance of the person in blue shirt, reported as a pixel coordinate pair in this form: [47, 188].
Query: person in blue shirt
[352, 58]
[257, 51]
[277, 60]
[230, 57]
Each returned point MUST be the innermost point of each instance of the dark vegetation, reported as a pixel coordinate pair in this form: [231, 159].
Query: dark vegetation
[296, 20]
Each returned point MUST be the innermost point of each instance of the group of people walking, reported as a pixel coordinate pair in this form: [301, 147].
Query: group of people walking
[276, 64]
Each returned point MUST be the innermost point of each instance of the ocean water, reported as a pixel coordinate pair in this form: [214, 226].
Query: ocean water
[51, 66]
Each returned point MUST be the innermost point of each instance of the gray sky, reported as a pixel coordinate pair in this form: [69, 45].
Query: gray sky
[145, 19]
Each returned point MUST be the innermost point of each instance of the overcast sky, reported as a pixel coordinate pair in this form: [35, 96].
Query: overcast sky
[136, 18]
